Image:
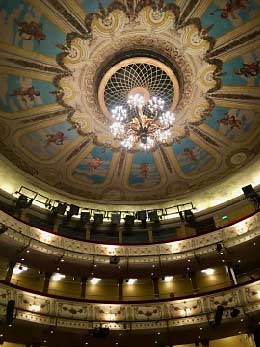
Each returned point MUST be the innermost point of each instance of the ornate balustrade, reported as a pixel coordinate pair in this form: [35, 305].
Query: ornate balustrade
[50, 243]
[82, 314]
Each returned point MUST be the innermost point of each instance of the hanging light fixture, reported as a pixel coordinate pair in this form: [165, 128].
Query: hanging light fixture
[142, 124]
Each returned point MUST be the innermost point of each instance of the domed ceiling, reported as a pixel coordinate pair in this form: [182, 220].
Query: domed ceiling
[66, 63]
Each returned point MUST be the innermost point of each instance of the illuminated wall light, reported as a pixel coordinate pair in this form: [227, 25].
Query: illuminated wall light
[35, 308]
[57, 277]
[208, 271]
[168, 278]
[95, 280]
[19, 269]
[131, 280]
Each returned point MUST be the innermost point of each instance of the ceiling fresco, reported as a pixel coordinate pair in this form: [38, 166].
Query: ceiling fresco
[57, 61]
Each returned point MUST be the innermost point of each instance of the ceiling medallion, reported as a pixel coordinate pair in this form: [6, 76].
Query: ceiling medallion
[98, 82]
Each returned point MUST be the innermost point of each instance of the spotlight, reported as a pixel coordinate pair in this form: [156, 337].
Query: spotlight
[252, 195]
[85, 217]
[3, 228]
[23, 202]
[129, 220]
[141, 215]
[114, 259]
[100, 332]
[189, 217]
[98, 218]
[219, 314]
[61, 208]
[153, 216]
[219, 247]
[234, 313]
[10, 312]
[74, 210]
[181, 216]
[248, 191]
[115, 219]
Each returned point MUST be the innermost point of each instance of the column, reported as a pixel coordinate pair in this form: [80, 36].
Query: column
[83, 284]
[88, 230]
[231, 274]
[193, 280]
[156, 287]
[46, 282]
[10, 270]
[120, 289]
[150, 234]
[120, 235]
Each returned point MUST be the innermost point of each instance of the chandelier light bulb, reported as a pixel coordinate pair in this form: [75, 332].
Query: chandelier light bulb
[145, 124]
[117, 129]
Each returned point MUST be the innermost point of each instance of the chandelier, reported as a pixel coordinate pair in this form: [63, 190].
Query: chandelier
[142, 123]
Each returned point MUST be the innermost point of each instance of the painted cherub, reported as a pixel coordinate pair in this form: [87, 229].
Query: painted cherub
[231, 7]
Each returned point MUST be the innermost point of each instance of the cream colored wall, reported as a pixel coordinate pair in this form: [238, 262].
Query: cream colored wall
[142, 289]
[232, 341]
[105, 289]
[179, 286]
[212, 282]
[65, 287]
[29, 279]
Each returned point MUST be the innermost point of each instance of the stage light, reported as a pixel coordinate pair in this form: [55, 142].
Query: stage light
[85, 217]
[115, 218]
[61, 208]
[23, 202]
[100, 332]
[219, 314]
[129, 220]
[153, 216]
[114, 260]
[141, 215]
[3, 228]
[98, 218]
[235, 312]
[10, 312]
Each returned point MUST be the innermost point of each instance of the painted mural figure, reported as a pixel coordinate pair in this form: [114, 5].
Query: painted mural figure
[28, 31]
[231, 121]
[232, 6]
[144, 169]
[94, 163]
[248, 70]
[25, 93]
[58, 138]
[190, 154]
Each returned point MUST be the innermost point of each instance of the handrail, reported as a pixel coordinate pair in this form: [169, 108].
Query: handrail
[132, 244]
[182, 248]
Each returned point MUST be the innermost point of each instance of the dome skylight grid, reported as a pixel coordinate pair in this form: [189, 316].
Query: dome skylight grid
[153, 78]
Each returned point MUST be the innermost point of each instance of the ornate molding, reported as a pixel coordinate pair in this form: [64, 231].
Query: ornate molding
[146, 315]
[54, 244]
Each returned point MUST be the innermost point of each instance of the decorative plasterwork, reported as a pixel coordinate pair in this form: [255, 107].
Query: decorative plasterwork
[82, 314]
[184, 47]
[48, 243]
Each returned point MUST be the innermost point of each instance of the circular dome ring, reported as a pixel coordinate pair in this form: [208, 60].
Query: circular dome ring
[129, 74]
